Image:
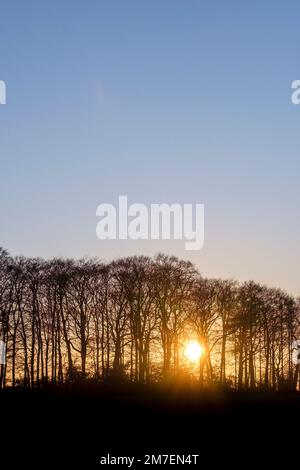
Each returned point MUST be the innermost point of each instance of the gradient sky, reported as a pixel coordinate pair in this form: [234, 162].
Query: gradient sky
[165, 101]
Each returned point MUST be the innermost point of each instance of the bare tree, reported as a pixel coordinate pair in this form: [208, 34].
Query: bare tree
[64, 320]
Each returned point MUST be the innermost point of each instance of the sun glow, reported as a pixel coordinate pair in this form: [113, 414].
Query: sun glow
[193, 351]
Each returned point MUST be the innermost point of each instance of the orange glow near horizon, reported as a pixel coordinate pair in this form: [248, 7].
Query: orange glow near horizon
[193, 351]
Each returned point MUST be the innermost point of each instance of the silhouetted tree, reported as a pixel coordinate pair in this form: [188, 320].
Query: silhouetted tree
[64, 320]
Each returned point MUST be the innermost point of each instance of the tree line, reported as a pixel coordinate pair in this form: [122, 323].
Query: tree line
[65, 320]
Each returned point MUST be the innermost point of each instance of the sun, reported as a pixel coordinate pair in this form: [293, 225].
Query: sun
[193, 351]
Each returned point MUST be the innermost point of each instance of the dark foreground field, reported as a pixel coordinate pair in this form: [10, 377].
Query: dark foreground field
[65, 428]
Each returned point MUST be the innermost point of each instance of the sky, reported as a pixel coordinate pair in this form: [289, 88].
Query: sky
[163, 101]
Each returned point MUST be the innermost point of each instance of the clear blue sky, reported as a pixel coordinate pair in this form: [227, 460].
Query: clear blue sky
[165, 101]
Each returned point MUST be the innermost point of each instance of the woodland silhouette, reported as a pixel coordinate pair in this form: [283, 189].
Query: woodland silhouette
[66, 321]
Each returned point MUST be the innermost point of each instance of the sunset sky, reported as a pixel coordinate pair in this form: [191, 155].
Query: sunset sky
[165, 101]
